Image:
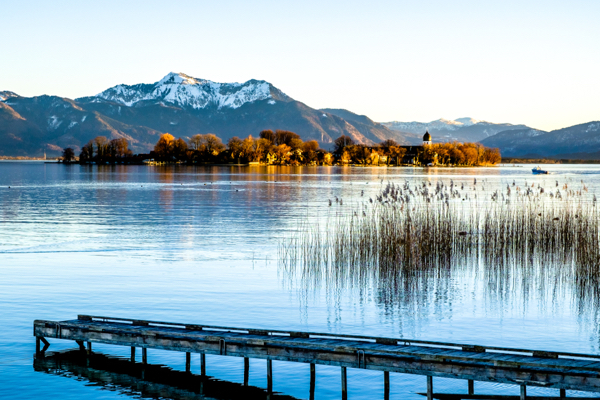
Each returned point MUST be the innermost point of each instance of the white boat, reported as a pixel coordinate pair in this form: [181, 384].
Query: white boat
[538, 171]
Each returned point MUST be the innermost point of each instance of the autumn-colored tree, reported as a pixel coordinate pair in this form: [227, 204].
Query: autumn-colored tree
[179, 149]
[196, 142]
[235, 147]
[491, 156]
[285, 137]
[398, 153]
[164, 146]
[457, 156]
[214, 145]
[341, 143]
[282, 152]
[248, 148]
[262, 147]
[119, 148]
[470, 155]
[268, 135]
[101, 143]
[387, 144]
[311, 145]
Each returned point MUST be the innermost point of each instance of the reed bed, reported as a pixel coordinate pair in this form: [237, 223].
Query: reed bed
[411, 237]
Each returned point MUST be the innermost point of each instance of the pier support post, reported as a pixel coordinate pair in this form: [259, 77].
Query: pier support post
[144, 355]
[386, 385]
[89, 347]
[563, 393]
[313, 379]
[81, 345]
[246, 370]
[188, 362]
[344, 384]
[39, 350]
[429, 387]
[471, 386]
[523, 392]
[269, 375]
[132, 354]
[203, 364]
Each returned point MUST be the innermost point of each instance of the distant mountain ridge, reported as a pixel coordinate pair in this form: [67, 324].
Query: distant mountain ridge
[178, 104]
[581, 139]
[188, 92]
[461, 129]
[184, 106]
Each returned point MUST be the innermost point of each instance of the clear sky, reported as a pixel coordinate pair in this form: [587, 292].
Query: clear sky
[532, 62]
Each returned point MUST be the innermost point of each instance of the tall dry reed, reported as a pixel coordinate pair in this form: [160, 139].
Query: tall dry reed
[410, 237]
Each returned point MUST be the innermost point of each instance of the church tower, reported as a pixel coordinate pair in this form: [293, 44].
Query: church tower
[426, 138]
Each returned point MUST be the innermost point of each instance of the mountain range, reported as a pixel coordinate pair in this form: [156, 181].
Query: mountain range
[575, 142]
[184, 106]
[461, 129]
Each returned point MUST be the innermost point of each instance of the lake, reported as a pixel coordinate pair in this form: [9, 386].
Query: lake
[200, 245]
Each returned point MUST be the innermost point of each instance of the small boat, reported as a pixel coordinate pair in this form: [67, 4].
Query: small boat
[538, 171]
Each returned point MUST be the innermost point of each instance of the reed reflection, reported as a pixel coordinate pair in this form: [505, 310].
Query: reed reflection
[413, 242]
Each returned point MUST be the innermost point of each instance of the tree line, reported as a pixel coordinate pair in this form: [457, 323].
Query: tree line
[283, 147]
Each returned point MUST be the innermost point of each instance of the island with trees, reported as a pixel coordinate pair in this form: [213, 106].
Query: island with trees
[283, 147]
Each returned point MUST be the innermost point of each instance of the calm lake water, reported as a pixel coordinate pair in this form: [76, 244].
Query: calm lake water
[199, 245]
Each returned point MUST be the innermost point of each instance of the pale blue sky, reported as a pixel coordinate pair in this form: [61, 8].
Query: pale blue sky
[532, 62]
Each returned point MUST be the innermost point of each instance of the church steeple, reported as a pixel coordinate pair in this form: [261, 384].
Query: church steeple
[426, 138]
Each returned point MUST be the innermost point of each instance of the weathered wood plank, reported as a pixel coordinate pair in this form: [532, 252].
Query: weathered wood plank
[561, 373]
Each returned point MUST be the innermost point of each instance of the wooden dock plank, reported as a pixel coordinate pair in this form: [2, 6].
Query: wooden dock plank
[344, 351]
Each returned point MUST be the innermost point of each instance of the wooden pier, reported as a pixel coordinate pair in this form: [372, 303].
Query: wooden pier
[560, 370]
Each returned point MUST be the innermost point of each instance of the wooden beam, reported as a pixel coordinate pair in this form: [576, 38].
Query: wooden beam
[188, 362]
[246, 370]
[144, 355]
[344, 384]
[132, 354]
[429, 387]
[386, 385]
[563, 393]
[203, 364]
[523, 392]
[313, 380]
[269, 375]
[471, 385]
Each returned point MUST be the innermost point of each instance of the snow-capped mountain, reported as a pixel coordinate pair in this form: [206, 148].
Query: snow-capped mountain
[438, 125]
[178, 104]
[7, 95]
[187, 92]
[460, 129]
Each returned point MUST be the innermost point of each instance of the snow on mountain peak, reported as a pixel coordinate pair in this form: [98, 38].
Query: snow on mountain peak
[178, 78]
[441, 124]
[7, 95]
[468, 121]
[186, 91]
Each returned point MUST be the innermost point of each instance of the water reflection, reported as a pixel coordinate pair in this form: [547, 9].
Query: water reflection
[199, 244]
[416, 246]
[145, 381]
